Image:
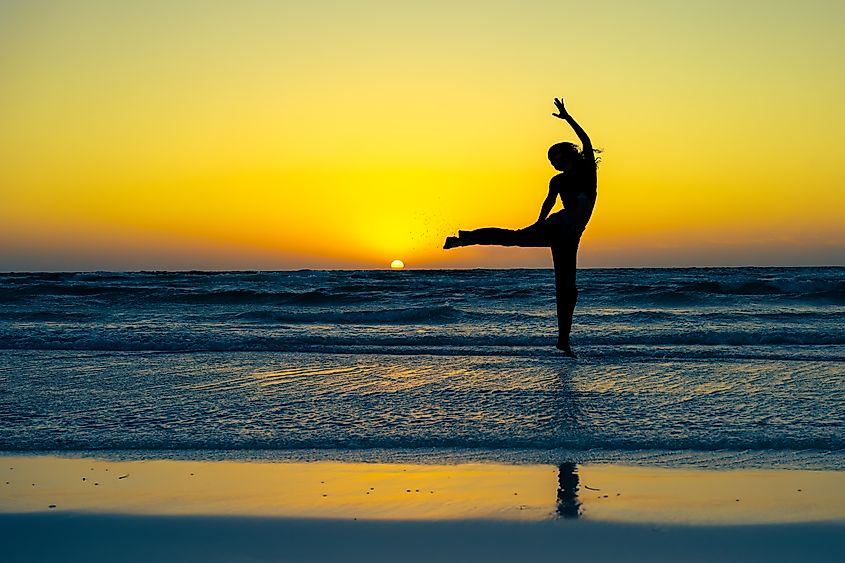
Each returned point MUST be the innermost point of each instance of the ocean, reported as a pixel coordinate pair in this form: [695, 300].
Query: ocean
[722, 367]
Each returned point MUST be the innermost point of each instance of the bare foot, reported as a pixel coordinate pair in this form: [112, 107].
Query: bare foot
[564, 347]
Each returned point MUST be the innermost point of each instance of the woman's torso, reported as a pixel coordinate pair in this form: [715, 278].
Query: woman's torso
[577, 191]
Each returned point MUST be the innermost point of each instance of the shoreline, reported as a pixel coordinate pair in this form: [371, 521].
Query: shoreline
[416, 491]
[715, 460]
[150, 510]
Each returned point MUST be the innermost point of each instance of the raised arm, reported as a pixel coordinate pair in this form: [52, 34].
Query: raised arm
[586, 144]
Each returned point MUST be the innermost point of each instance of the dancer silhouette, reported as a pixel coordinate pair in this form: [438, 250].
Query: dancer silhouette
[561, 231]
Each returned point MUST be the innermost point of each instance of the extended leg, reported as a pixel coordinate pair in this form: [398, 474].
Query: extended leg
[564, 255]
[533, 236]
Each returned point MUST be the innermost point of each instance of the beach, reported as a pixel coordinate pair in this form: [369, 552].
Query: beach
[98, 509]
[116, 538]
[422, 415]
[422, 281]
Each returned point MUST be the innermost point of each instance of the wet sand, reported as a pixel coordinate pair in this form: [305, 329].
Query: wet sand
[103, 509]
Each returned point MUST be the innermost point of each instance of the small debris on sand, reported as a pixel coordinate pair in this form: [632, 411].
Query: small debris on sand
[123, 476]
[52, 506]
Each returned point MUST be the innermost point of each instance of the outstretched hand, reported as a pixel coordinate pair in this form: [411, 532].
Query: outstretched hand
[561, 114]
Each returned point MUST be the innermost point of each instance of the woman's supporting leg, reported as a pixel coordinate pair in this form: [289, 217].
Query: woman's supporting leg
[564, 245]
[564, 256]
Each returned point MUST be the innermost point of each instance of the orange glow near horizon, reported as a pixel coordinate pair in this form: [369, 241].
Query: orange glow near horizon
[280, 136]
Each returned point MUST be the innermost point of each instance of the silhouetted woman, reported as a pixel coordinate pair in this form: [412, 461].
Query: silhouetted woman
[560, 231]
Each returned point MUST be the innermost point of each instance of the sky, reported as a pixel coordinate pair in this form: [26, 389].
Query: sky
[333, 134]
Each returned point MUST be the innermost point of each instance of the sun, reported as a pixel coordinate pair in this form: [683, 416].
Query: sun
[397, 265]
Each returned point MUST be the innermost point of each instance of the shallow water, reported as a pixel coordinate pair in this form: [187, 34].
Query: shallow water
[703, 366]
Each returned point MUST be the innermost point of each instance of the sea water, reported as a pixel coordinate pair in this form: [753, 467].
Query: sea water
[725, 367]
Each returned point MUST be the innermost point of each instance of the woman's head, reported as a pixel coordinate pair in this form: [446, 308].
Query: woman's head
[565, 156]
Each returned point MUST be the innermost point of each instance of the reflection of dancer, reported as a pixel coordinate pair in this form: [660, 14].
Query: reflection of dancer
[568, 505]
[560, 231]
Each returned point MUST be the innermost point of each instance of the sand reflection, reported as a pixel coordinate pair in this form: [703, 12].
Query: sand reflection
[419, 492]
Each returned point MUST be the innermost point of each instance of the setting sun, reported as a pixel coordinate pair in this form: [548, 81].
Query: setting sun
[627, 265]
[229, 149]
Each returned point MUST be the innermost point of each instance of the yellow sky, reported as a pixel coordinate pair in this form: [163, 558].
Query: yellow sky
[275, 135]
